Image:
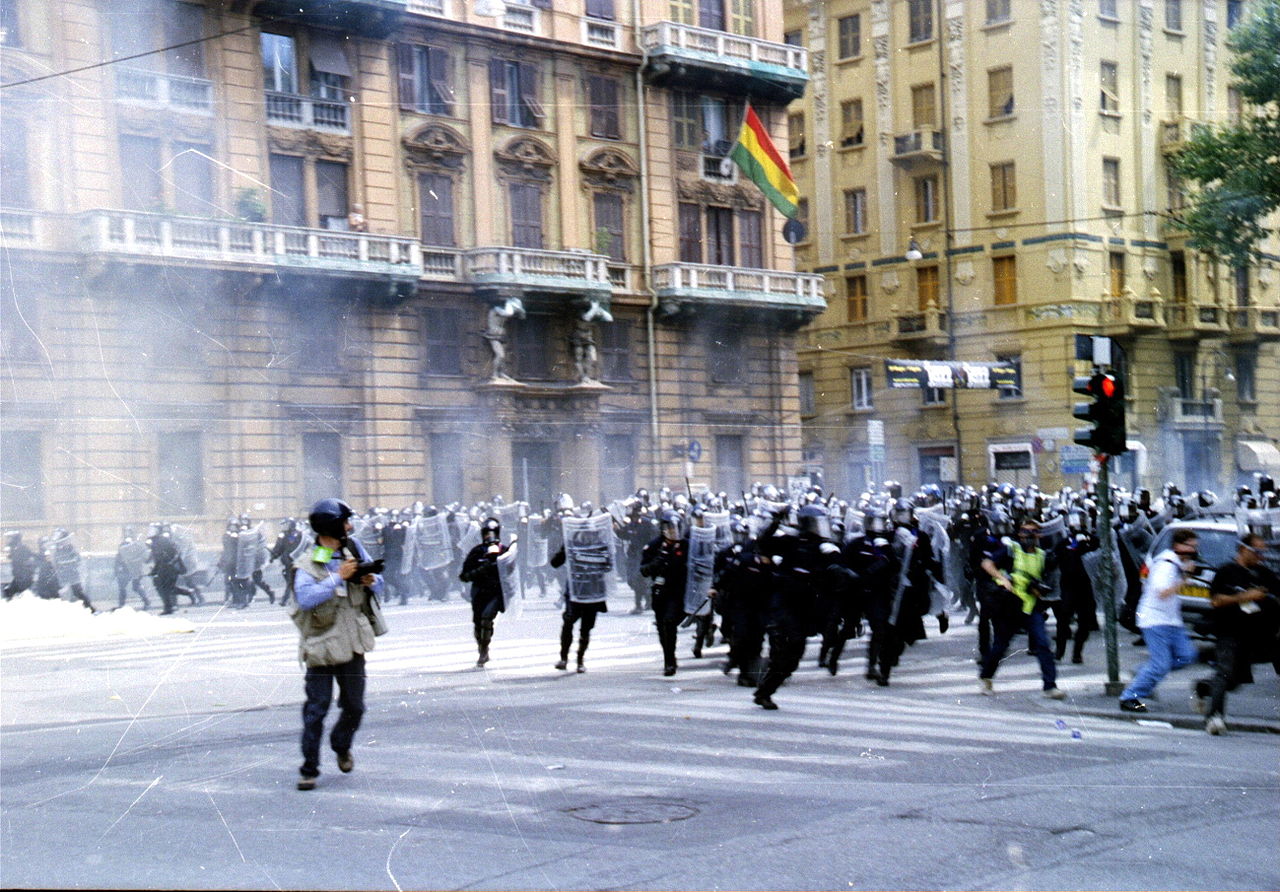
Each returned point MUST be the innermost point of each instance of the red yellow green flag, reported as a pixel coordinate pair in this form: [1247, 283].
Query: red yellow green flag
[761, 163]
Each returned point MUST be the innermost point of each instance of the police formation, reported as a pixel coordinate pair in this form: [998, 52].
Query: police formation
[765, 571]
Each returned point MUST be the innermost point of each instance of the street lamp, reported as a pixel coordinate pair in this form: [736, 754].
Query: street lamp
[913, 251]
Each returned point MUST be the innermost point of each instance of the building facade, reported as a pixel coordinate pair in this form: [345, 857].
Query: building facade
[256, 252]
[988, 180]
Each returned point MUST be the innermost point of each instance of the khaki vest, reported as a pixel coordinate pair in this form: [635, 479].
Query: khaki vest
[335, 631]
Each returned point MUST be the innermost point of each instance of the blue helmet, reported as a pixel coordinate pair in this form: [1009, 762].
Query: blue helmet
[329, 518]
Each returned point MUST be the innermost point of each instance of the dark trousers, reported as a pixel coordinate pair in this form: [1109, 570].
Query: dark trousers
[1037, 637]
[746, 643]
[18, 585]
[668, 630]
[125, 584]
[884, 649]
[570, 616]
[1226, 677]
[319, 687]
[785, 654]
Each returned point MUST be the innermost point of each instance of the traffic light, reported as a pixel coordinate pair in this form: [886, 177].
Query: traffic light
[1106, 411]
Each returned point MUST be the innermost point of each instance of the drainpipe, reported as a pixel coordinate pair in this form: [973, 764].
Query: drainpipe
[944, 84]
[645, 245]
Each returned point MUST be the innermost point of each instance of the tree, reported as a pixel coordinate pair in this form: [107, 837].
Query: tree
[1237, 165]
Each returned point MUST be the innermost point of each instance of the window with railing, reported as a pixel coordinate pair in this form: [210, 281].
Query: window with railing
[610, 227]
[526, 214]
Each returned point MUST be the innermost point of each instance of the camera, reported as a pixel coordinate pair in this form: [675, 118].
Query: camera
[364, 568]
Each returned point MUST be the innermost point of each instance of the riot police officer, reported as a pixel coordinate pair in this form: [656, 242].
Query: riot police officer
[480, 568]
[665, 561]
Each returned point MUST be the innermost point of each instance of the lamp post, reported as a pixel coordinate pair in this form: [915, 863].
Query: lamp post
[947, 235]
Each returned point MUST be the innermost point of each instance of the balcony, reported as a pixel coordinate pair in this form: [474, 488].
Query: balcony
[1130, 314]
[701, 59]
[252, 247]
[685, 288]
[1190, 414]
[32, 230]
[366, 18]
[308, 113]
[141, 87]
[533, 273]
[1174, 134]
[1248, 325]
[915, 146]
[1189, 322]
[928, 328]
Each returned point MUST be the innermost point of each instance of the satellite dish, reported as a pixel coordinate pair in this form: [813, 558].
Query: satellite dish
[793, 232]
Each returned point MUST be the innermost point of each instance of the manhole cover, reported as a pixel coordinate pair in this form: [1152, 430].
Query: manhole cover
[646, 811]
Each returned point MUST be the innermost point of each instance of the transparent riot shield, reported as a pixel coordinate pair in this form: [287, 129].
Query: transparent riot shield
[588, 546]
[509, 517]
[134, 556]
[369, 531]
[702, 557]
[247, 545]
[432, 547]
[509, 575]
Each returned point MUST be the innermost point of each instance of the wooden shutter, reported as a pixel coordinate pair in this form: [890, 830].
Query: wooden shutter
[526, 215]
[690, 233]
[498, 95]
[405, 77]
[435, 201]
[750, 239]
[608, 208]
[441, 83]
[600, 9]
[529, 93]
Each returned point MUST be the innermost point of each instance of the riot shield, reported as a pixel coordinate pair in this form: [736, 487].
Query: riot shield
[306, 544]
[702, 557]
[66, 562]
[535, 544]
[369, 531]
[1093, 563]
[432, 547]
[470, 537]
[247, 546]
[588, 546]
[509, 517]
[720, 522]
[184, 539]
[509, 575]
[134, 557]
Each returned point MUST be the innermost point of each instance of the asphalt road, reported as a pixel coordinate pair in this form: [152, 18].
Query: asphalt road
[170, 762]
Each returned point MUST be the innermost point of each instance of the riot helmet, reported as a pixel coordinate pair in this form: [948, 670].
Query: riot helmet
[813, 520]
[669, 524]
[490, 530]
[741, 531]
[329, 517]
[564, 504]
[904, 513]
[877, 523]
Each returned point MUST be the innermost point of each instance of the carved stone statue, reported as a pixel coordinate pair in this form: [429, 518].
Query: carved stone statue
[495, 334]
[582, 343]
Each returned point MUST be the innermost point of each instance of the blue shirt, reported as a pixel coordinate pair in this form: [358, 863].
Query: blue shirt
[312, 592]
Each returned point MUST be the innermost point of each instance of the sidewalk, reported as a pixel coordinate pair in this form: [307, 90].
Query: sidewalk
[1250, 707]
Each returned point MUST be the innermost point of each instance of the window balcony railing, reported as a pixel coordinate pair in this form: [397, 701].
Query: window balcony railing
[138, 85]
[919, 145]
[685, 55]
[538, 270]
[1249, 324]
[21, 228]
[1129, 311]
[137, 234]
[928, 326]
[1189, 321]
[294, 110]
[679, 284]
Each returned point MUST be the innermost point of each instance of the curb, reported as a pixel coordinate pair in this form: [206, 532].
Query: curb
[1194, 722]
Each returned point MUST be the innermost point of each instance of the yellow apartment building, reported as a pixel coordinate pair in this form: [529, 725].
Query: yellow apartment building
[255, 252]
[986, 180]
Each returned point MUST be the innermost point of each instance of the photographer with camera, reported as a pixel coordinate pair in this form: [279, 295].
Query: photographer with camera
[338, 616]
[1020, 568]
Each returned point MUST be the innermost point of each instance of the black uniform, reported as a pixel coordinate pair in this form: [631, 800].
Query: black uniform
[986, 546]
[1077, 602]
[666, 562]
[128, 573]
[166, 567]
[23, 560]
[743, 579]
[480, 568]
[877, 568]
[393, 538]
[285, 545]
[635, 535]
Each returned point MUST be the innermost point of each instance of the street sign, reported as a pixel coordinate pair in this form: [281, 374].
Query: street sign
[877, 451]
[875, 432]
[1073, 459]
[695, 450]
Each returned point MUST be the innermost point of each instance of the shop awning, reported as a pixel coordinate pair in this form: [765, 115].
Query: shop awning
[1258, 455]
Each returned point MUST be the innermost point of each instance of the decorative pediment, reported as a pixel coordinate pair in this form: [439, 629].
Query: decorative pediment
[733, 195]
[436, 145]
[526, 157]
[609, 167]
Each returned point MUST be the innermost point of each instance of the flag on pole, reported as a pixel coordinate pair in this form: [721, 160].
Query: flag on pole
[760, 162]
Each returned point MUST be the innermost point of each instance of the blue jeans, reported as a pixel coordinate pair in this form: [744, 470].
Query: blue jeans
[1037, 638]
[1168, 648]
[319, 686]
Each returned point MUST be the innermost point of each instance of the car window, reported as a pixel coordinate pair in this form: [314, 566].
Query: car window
[1217, 547]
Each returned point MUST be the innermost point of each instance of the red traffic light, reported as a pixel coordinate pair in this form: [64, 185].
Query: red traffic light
[1108, 386]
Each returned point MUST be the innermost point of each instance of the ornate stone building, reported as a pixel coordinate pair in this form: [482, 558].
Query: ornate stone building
[257, 251]
[986, 181]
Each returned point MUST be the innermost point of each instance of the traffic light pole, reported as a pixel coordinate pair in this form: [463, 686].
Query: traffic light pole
[1106, 576]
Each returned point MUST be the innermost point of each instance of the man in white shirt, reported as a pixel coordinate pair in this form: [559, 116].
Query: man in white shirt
[1160, 619]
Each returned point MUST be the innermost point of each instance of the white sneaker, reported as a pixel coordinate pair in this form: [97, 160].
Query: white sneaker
[1215, 725]
[985, 686]
[1055, 694]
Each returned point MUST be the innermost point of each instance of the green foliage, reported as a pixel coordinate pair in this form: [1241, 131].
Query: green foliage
[250, 206]
[1237, 166]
